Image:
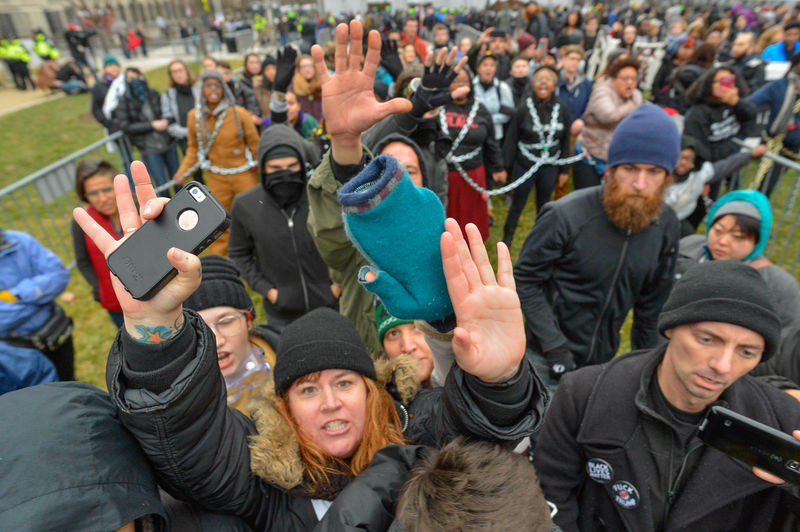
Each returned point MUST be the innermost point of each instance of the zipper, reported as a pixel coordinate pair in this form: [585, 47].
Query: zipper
[290, 223]
[609, 295]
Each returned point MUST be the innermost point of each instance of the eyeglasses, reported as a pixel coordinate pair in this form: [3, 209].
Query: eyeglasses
[212, 85]
[229, 325]
[105, 191]
[307, 66]
[628, 78]
[548, 80]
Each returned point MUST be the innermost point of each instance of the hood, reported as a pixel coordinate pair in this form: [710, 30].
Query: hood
[761, 203]
[275, 451]
[381, 143]
[69, 464]
[279, 135]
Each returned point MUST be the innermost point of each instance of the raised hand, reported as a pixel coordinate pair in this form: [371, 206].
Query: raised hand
[348, 99]
[284, 69]
[489, 340]
[160, 316]
[434, 89]
[390, 59]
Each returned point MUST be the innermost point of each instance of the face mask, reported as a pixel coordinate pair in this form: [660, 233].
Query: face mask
[138, 88]
[285, 186]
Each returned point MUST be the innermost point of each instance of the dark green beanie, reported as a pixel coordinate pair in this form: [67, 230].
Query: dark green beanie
[386, 321]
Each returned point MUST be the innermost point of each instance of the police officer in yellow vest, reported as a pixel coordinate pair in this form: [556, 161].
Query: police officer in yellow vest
[44, 48]
[17, 59]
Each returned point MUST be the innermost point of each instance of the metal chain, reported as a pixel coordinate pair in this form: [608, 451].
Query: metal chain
[524, 148]
[203, 149]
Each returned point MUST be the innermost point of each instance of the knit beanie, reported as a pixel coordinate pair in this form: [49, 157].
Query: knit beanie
[724, 291]
[109, 59]
[212, 73]
[322, 339]
[281, 150]
[525, 40]
[750, 203]
[268, 60]
[220, 286]
[386, 321]
[646, 136]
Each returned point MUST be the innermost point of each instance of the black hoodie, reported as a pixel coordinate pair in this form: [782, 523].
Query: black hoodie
[271, 245]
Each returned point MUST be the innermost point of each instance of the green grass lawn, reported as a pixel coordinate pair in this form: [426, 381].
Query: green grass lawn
[37, 136]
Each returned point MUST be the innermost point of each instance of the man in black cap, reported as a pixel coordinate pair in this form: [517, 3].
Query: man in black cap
[644, 468]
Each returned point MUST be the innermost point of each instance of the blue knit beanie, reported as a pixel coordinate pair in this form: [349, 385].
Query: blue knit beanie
[646, 136]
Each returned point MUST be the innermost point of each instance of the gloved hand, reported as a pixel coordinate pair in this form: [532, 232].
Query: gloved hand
[377, 207]
[434, 88]
[390, 59]
[560, 361]
[7, 297]
[284, 69]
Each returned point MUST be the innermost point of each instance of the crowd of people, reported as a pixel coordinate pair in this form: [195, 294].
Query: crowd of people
[403, 382]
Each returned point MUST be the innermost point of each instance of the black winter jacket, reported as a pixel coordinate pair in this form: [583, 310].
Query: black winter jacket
[135, 117]
[271, 245]
[602, 470]
[717, 123]
[578, 275]
[521, 129]
[172, 399]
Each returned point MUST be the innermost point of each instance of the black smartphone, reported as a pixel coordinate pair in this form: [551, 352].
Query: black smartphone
[191, 221]
[752, 442]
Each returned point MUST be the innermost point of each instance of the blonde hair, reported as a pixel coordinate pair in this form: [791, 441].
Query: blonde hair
[382, 428]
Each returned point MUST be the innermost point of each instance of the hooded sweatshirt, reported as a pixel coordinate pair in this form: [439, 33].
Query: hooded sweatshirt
[269, 241]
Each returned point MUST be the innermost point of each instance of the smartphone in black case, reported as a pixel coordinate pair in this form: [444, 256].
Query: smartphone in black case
[191, 221]
[752, 442]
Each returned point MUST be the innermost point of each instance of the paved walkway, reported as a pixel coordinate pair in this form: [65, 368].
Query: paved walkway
[12, 100]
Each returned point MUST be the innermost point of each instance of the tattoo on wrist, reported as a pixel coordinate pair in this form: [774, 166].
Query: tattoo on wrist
[159, 333]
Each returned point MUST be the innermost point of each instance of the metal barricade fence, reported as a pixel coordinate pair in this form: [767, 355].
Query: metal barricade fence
[41, 204]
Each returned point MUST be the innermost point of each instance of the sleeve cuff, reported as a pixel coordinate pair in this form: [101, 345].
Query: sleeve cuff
[345, 172]
[502, 403]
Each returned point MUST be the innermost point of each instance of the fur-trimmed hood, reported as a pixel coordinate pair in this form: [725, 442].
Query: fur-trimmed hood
[275, 450]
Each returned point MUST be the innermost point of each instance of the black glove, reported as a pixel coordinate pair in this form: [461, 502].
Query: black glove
[433, 90]
[284, 68]
[560, 361]
[390, 59]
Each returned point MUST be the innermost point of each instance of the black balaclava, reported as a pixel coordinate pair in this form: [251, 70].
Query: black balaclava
[284, 186]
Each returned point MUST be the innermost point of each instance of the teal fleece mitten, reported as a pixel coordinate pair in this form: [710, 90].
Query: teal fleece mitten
[397, 227]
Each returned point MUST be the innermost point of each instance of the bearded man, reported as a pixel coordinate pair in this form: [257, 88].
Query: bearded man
[599, 252]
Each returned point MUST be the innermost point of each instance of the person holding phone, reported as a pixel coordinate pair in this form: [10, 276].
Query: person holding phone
[644, 468]
[326, 418]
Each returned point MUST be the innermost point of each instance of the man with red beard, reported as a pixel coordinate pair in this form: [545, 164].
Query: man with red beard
[599, 252]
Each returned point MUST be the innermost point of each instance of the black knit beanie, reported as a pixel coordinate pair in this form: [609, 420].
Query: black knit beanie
[725, 291]
[322, 339]
[220, 287]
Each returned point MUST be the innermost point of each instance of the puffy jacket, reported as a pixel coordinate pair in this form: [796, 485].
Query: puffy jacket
[578, 275]
[272, 246]
[202, 450]
[135, 117]
[35, 276]
[605, 110]
[634, 444]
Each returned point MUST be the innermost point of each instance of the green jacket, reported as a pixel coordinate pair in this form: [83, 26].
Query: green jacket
[326, 226]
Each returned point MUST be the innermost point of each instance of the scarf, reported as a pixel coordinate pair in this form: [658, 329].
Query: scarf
[303, 88]
[108, 299]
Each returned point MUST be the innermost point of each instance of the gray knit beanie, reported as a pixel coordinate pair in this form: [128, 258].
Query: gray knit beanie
[726, 291]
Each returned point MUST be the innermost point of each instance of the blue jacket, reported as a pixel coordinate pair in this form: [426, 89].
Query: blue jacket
[576, 99]
[772, 95]
[21, 367]
[777, 52]
[35, 276]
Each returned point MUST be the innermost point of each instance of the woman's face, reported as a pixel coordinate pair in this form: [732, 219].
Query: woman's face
[331, 410]
[572, 20]
[406, 338]
[717, 89]
[253, 65]
[625, 82]
[461, 80]
[179, 74]
[409, 53]
[727, 241]
[231, 329]
[99, 192]
[306, 68]
[212, 91]
[294, 107]
[544, 83]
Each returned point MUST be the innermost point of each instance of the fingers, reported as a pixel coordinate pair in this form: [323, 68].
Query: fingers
[340, 56]
[392, 107]
[101, 238]
[128, 212]
[428, 60]
[373, 54]
[440, 58]
[479, 256]
[460, 92]
[451, 56]
[468, 266]
[142, 183]
[505, 270]
[457, 285]
[460, 65]
[152, 209]
[319, 63]
[356, 52]
[187, 264]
